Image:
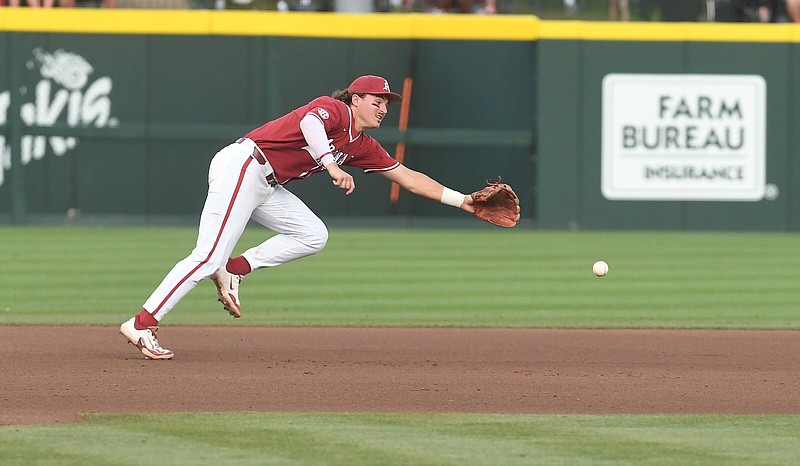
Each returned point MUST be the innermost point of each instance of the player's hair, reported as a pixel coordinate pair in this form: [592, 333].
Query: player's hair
[343, 95]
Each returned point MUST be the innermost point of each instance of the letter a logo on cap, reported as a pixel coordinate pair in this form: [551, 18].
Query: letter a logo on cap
[375, 85]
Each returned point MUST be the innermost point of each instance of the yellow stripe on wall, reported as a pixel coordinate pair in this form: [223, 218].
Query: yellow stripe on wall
[377, 26]
[270, 23]
[651, 31]
[89, 21]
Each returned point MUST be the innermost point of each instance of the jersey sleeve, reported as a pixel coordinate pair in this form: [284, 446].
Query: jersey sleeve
[314, 134]
[375, 157]
[330, 112]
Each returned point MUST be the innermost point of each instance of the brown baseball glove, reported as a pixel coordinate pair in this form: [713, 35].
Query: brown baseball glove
[497, 204]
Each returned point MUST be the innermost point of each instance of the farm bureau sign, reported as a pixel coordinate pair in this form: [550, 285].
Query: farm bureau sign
[683, 137]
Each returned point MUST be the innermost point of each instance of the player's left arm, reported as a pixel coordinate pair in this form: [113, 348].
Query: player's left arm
[314, 133]
[425, 186]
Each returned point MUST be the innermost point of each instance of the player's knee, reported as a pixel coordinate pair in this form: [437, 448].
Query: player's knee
[318, 237]
[314, 237]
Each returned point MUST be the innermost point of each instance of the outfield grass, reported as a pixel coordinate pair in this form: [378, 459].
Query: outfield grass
[406, 439]
[481, 278]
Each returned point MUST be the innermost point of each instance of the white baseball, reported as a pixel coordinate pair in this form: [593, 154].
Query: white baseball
[600, 268]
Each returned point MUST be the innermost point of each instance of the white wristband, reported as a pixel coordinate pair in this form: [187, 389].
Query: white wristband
[453, 198]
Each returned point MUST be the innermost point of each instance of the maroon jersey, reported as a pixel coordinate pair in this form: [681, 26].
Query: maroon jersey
[286, 149]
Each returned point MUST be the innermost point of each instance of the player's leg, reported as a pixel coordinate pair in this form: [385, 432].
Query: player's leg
[236, 187]
[300, 232]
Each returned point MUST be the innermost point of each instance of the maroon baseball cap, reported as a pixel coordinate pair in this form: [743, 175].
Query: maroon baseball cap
[374, 85]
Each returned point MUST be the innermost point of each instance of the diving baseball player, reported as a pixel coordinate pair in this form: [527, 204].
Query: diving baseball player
[246, 180]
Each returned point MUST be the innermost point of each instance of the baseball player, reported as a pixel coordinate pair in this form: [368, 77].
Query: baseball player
[246, 181]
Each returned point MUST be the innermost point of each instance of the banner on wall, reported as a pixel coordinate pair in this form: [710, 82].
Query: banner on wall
[686, 137]
[64, 91]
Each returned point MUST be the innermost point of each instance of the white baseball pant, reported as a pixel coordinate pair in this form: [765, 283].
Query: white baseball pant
[238, 190]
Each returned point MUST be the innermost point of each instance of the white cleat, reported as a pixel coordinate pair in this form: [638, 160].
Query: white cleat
[145, 340]
[228, 290]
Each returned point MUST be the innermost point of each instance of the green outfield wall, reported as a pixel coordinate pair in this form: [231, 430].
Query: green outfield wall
[115, 114]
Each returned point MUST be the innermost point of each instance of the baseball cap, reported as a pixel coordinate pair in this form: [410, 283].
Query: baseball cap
[374, 85]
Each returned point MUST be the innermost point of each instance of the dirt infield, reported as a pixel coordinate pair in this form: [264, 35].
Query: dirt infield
[52, 374]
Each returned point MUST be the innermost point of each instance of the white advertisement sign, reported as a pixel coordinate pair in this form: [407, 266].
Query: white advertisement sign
[689, 137]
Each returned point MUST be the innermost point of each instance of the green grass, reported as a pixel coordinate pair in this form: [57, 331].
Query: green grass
[480, 278]
[406, 439]
[476, 278]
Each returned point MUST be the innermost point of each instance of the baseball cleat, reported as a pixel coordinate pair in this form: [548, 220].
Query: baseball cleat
[228, 290]
[145, 340]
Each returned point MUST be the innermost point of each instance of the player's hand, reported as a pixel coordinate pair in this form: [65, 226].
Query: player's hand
[469, 204]
[341, 178]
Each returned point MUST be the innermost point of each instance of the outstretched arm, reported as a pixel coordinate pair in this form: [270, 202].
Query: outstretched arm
[424, 186]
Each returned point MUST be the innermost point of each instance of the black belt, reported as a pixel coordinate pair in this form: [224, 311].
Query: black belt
[259, 157]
